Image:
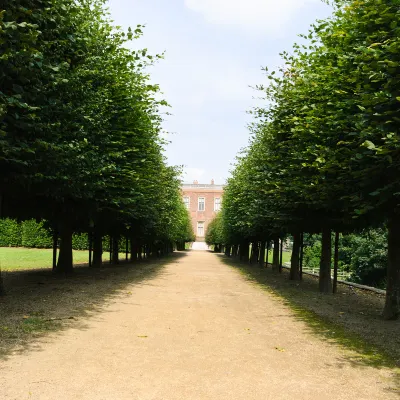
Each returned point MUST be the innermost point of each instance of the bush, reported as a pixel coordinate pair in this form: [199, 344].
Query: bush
[312, 251]
[34, 234]
[10, 233]
[80, 241]
[364, 255]
[369, 258]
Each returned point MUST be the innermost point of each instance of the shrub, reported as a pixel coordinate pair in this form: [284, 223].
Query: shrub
[80, 241]
[10, 233]
[34, 234]
[364, 255]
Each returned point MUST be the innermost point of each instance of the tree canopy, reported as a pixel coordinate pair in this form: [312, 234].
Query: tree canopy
[80, 124]
[325, 150]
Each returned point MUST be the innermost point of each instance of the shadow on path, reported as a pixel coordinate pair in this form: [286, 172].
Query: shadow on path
[348, 319]
[39, 302]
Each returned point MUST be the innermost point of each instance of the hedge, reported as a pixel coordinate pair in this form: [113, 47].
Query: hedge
[33, 234]
[10, 233]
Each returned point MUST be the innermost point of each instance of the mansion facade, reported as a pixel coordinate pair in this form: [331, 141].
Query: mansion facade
[203, 202]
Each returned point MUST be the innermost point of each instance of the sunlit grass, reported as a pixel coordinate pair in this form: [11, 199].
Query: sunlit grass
[286, 255]
[12, 258]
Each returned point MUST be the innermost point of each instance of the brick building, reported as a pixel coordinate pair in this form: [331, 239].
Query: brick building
[203, 202]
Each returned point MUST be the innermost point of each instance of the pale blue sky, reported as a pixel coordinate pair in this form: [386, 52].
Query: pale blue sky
[214, 50]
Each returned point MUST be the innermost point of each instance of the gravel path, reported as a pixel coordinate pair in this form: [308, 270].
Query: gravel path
[198, 330]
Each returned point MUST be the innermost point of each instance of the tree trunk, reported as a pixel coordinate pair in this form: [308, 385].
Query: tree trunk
[140, 252]
[275, 255]
[115, 250]
[126, 249]
[392, 303]
[281, 256]
[235, 250]
[90, 243]
[155, 251]
[247, 252]
[267, 256]
[65, 258]
[301, 256]
[325, 280]
[295, 260]
[336, 263]
[111, 246]
[261, 256]
[97, 249]
[254, 252]
[2, 290]
[134, 250]
[55, 240]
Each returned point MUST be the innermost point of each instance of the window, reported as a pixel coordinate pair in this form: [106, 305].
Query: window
[217, 203]
[186, 200]
[202, 203]
[200, 229]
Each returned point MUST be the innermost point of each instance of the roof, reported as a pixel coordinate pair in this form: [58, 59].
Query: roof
[202, 186]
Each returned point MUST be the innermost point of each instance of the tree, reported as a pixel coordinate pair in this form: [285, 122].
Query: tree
[325, 153]
[80, 130]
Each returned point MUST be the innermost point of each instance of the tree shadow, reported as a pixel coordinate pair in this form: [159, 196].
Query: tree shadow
[38, 302]
[323, 317]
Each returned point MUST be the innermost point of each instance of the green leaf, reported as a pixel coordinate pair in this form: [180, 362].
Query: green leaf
[369, 145]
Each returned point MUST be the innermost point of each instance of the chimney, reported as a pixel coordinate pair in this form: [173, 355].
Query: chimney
[212, 182]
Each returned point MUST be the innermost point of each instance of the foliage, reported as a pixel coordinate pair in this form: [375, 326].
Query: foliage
[214, 234]
[80, 125]
[365, 256]
[324, 152]
[10, 233]
[312, 254]
[34, 234]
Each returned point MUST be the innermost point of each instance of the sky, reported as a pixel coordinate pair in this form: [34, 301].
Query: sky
[214, 54]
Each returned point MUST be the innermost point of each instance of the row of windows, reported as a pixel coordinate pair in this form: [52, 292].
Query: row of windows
[201, 203]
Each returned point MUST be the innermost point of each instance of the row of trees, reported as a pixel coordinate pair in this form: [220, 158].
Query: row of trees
[325, 152]
[80, 124]
[362, 256]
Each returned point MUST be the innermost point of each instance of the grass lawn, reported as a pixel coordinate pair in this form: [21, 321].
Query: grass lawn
[285, 256]
[12, 258]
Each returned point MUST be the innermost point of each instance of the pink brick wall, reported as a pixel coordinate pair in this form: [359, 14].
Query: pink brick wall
[209, 192]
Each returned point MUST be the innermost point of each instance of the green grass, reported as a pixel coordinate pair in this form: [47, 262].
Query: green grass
[285, 256]
[12, 258]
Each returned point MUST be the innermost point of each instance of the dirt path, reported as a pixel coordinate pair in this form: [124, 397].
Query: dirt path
[198, 330]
